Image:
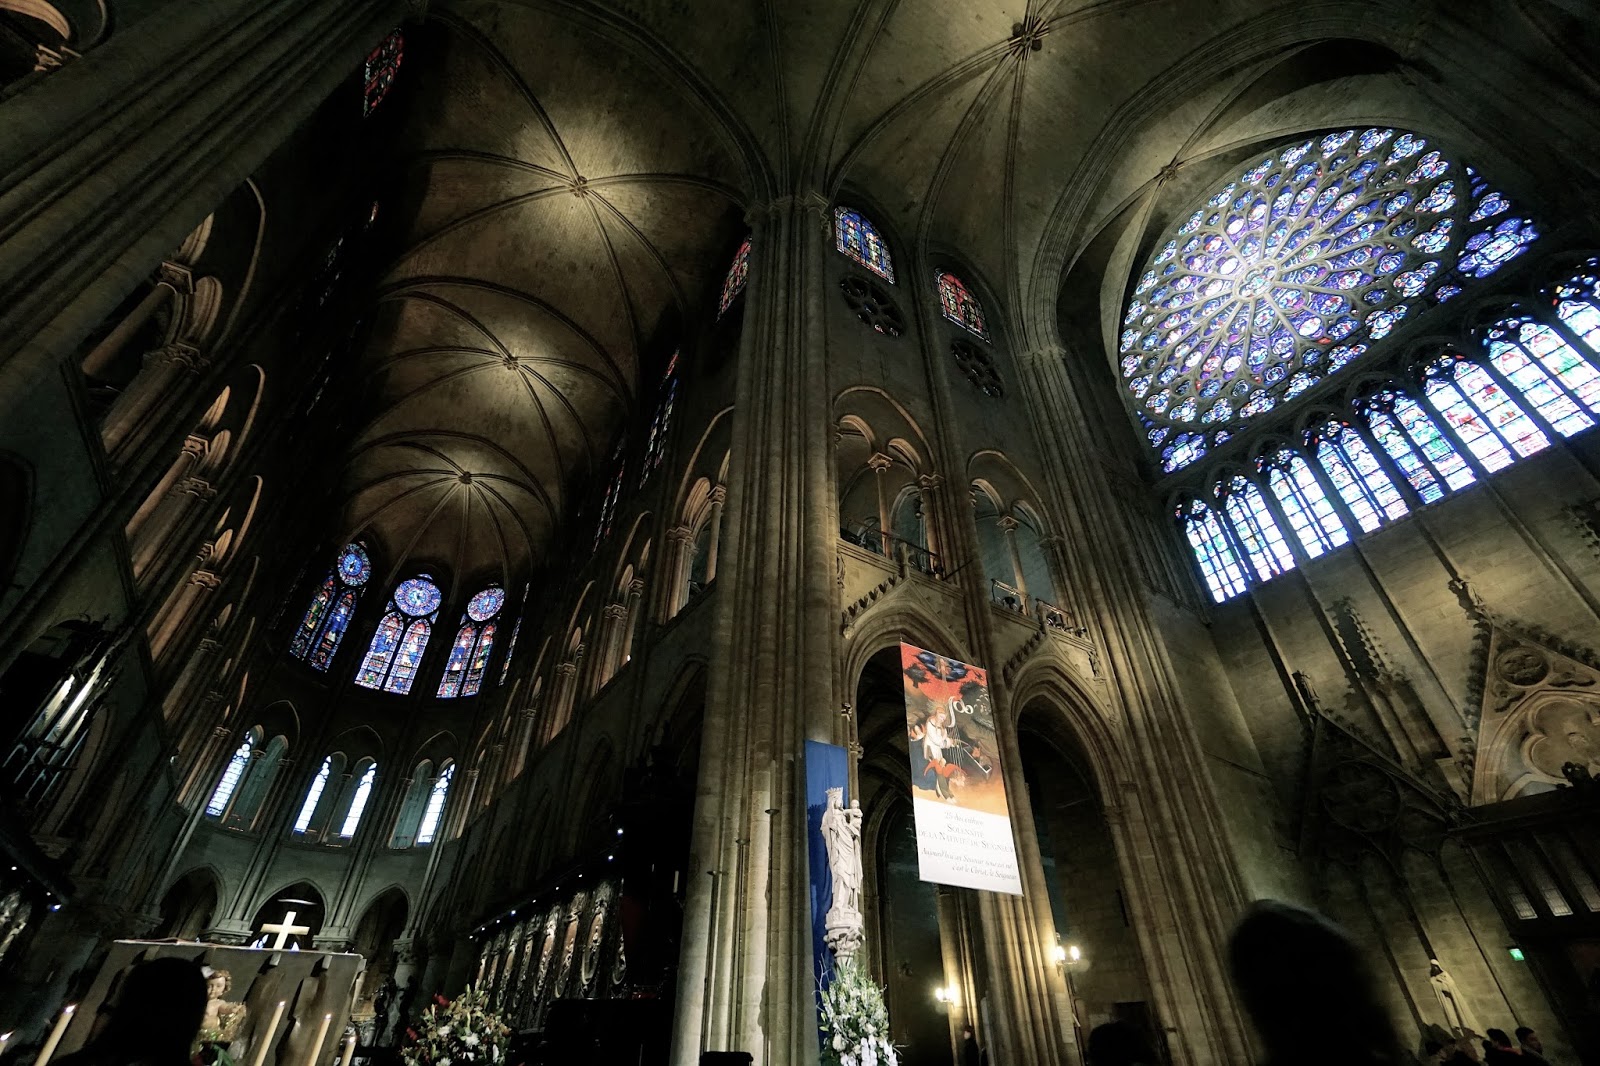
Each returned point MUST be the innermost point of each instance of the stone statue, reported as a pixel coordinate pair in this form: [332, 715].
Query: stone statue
[1458, 1017]
[841, 834]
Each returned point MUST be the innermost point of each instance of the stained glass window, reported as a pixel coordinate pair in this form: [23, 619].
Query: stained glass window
[383, 63]
[1218, 563]
[511, 649]
[655, 448]
[1416, 444]
[1255, 529]
[738, 274]
[1535, 357]
[358, 802]
[435, 808]
[960, 306]
[317, 638]
[302, 821]
[608, 505]
[1495, 429]
[230, 779]
[1575, 304]
[402, 636]
[856, 237]
[1357, 475]
[469, 655]
[1310, 513]
[1284, 274]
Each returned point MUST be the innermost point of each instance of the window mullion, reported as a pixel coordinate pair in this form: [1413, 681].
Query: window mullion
[1291, 536]
[1341, 508]
[1442, 421]
[1408, 492]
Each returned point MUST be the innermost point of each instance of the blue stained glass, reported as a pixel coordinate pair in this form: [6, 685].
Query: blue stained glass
[409, 658]
[455, 667]
[328, 643]
[1491, 205]
[354, 566]
[960, 305]
[1404, 449]
[486, 604]
[1215, 556]
[1528, 354]
[417, 596]
[1357, 222]
[856, 237]
[381, 651]
[479, 663]
[1310, 513]
[1185, 449]
[1357, 476]
[1255, 529]
[311, 624]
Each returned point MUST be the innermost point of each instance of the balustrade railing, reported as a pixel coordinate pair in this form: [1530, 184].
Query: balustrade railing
[890, 546]
[1007, 596]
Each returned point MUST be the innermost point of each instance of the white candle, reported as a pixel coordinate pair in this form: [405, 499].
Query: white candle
[264, 1039]
[316, 1045]
[349, 1050]
[55, 1035]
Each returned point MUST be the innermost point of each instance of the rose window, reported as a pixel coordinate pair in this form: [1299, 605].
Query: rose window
[1289, 272]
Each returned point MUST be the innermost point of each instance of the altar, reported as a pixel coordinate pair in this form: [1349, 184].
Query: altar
[275, 1007]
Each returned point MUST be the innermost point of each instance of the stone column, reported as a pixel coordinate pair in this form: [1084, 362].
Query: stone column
[719, 496]
[171, 281]
[615, 621]
[745, 977]
[680, 558]
[879, 464]
[635, 605]
[180, 606]
[193, 449]
[167, 370]
[1008, 528]
[168, 115]
[168, 518]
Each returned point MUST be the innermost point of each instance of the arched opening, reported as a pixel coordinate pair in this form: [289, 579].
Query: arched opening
[1104, 966]
[289, 920]
[908, 919]
[380, 926]
[188, 907]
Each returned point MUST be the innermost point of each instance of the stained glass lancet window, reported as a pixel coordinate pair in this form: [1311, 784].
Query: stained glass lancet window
[516, 628]
[1357, 475]
[738, 274]
[469, 655]
[1416, 444]
[608, 505]
[1310, 513]
[855, 236]
[1255, 529]
[1493, 426]
[358, 802]
[1286, 274]
[960, 305]
[383, 64]
[230, 779]
[1218, 562]
[317, 638]
[655, 448]
[429, 826]
[1559, 383]
[402, 636]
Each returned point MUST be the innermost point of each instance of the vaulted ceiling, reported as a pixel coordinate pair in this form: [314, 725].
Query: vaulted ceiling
[581, 168]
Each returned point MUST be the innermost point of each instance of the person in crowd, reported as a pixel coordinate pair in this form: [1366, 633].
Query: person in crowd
[1118, 1044]
[1297, 973]
[970, 1055]
[1532, 1047]
[1498, 1050]
[155, 1021]
[1464, 1052]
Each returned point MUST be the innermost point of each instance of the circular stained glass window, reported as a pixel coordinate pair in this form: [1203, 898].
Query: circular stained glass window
[417, 596]
[354, 566]
[1287, 273]
[486, 604]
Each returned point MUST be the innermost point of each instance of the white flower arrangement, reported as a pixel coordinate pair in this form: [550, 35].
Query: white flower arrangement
[857, 1022]
[453, 1031]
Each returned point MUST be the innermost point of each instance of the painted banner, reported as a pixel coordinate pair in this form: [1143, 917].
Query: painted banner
[827, 766]
[957, 792]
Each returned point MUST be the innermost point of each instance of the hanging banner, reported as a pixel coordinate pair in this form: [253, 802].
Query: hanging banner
[957, 793]
[827, 767]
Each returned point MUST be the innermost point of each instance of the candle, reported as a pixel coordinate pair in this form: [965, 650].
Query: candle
[55, 1035]
[5, 1038]
[316, 1045]
[349, 1050]
[264, 1039]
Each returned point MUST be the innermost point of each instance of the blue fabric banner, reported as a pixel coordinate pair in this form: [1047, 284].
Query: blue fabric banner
[827, 766]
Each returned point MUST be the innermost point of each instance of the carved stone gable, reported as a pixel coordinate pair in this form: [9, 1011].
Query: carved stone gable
[1540, 710]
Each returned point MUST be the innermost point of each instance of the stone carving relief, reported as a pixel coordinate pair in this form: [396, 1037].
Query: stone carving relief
[597, 933]
[1541, 714]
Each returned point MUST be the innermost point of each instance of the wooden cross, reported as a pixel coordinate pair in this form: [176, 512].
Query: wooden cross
[285, 929]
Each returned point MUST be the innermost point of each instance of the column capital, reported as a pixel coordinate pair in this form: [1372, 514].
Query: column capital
[1007, 523]
[879, 462]
[206, 579]
[1043, 355]
[809, 201]
[615, 611]
[221, 732]
[680, 534]
[719, 495]
[176, 277]
[931, 482]
[183, 356]
[196, 486]
[195, 446]
[636, 587]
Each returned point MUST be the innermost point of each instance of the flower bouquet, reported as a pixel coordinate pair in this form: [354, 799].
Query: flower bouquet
[855, 1021]
[457, 1032]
